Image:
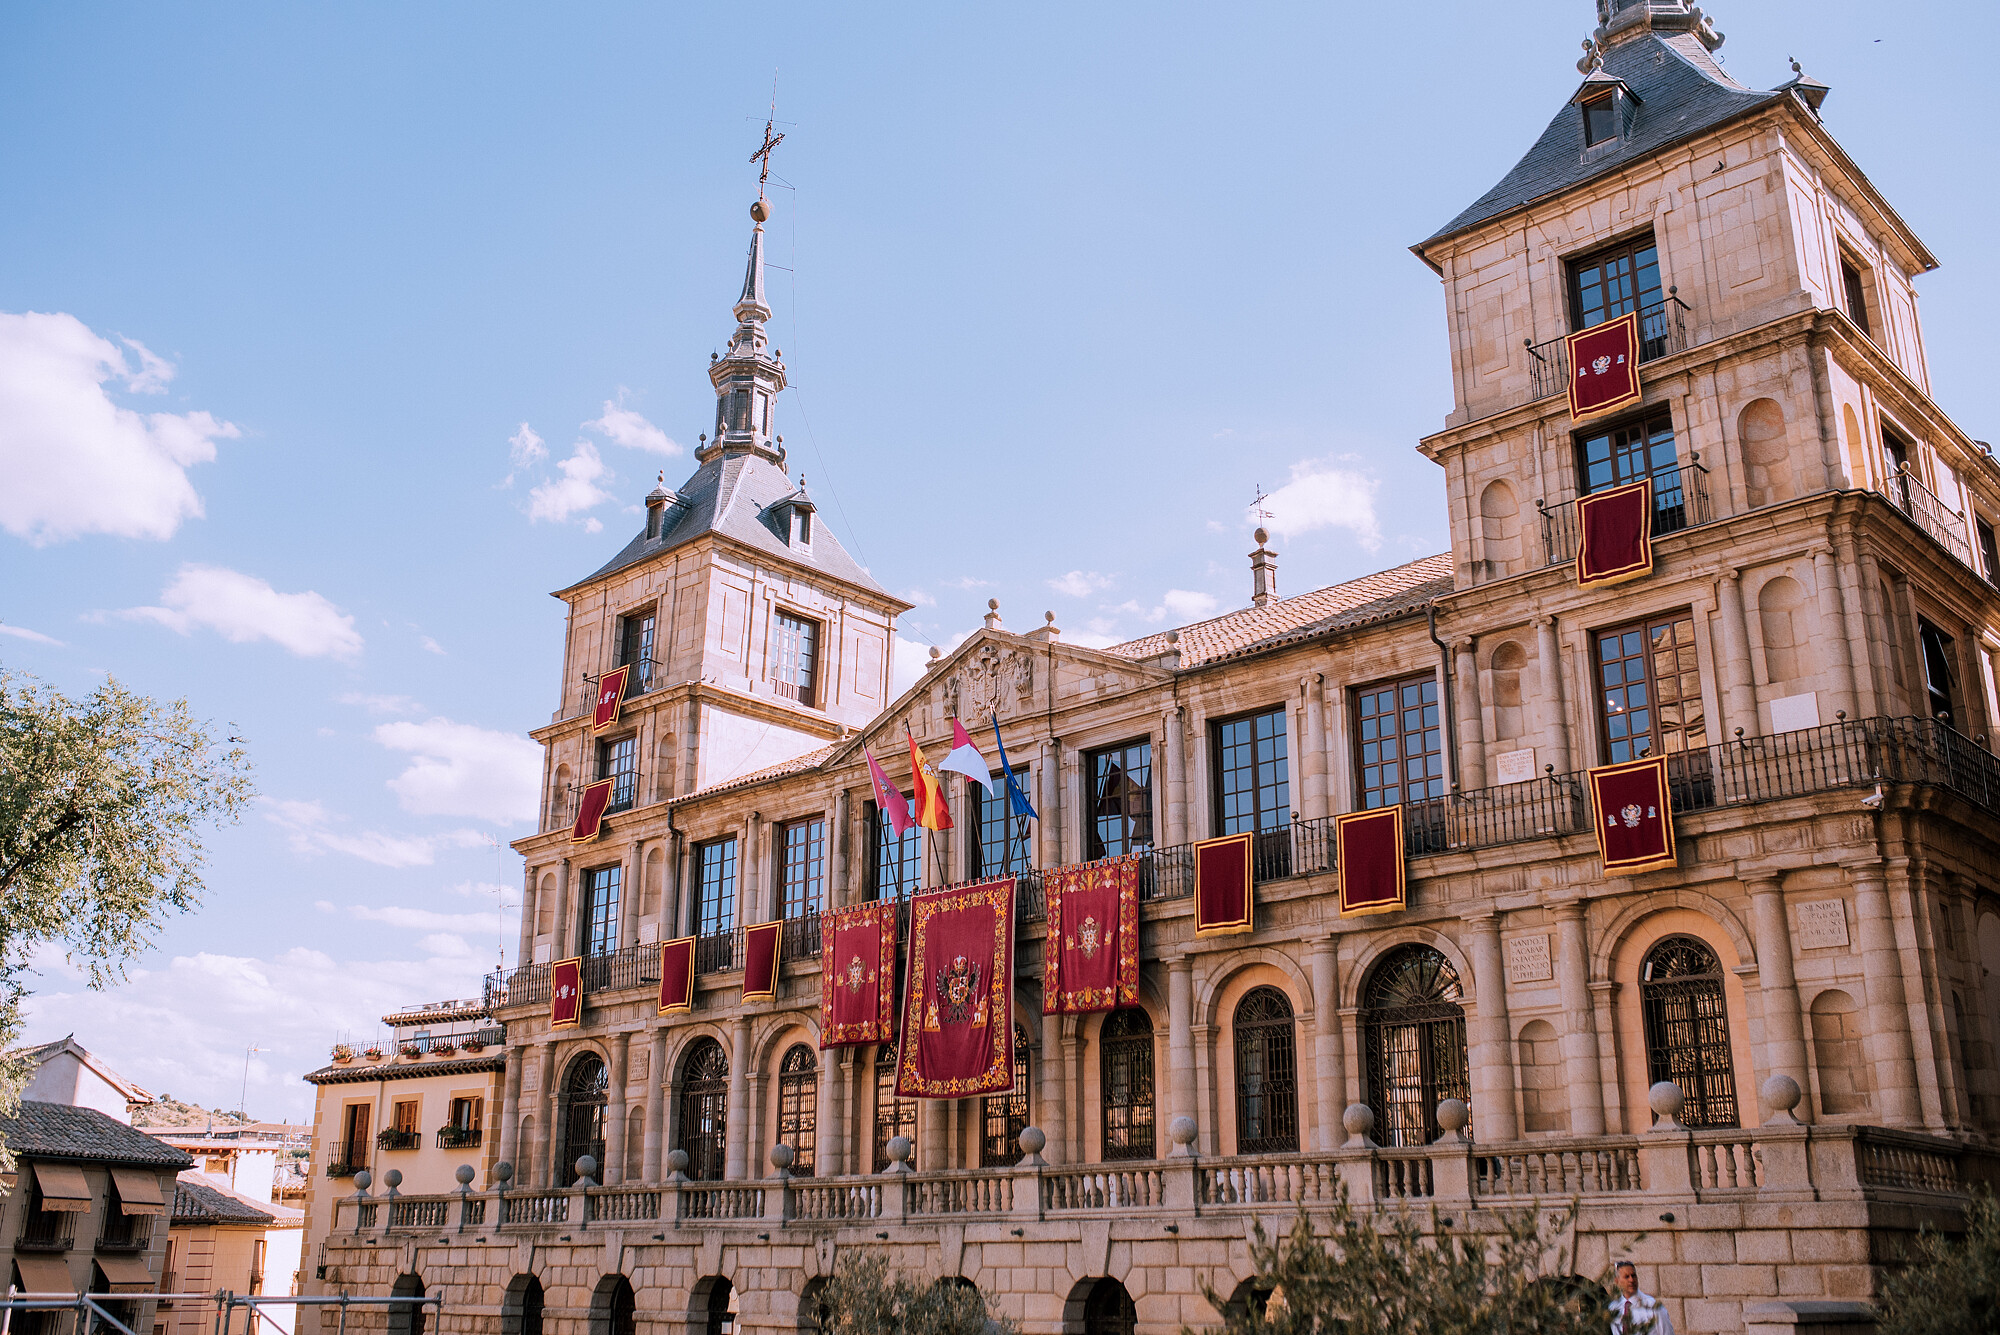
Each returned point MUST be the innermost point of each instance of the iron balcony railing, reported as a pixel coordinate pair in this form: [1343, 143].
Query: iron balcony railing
[625, 789]
[396, 1139]
[1662, 330]
[1680, 500]
[126, 1233]
[1945, 525]
[801, 939]
[346, 1167]
[718, 952]
[47, 1231]
[458, 1137]
[491, 1036]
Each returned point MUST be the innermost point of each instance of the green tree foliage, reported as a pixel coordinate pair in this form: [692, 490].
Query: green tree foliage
[864, 1298]
[1389, 1274]
[103, 802]
[1953, 1285]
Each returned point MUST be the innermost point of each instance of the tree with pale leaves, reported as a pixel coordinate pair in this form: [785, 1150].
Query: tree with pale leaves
[104, 802]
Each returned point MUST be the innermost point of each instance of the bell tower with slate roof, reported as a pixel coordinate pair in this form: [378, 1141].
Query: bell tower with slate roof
[750, 636]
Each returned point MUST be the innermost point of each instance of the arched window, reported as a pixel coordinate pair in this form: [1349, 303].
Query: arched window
[407, 1318]
[711, 1309]
[798, 1106]
[521, 1307]
[1687, 1029]
[1125, 1081]
[815, 1312]
[613, 1307]
[705, 1109]
[1006, 1115]
[1413, 1028]
[584, 1089]
[893, 1116]
[1267, 1074]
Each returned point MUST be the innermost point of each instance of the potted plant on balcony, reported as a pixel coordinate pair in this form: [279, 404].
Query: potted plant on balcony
[471, 1045]
[411, 1050]
[442, 1047]
[373, 1052]
[343, 1053]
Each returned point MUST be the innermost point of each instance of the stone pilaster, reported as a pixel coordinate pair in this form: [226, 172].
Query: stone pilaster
[1784, 1029]
[736, 1138]
[1491, 1042]
[612, 1171]
[1583, 1069]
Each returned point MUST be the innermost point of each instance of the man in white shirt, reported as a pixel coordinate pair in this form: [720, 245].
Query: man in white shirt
[1634, 1311]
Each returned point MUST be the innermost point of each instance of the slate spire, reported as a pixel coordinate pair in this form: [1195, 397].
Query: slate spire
[749, 377]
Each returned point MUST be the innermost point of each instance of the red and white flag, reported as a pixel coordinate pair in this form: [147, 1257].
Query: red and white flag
[965, 758]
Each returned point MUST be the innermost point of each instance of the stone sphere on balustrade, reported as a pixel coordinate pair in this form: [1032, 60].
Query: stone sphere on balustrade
[1359, 1119]
[363, 1180]
[677, 1161]
[1032, 1139]
[1453, 1115]
[1781, 1094]
[464, 1174]
[393, 1178]
[1666, 1101]
[1182, 1130]
[782, 1156]
[899, 1149]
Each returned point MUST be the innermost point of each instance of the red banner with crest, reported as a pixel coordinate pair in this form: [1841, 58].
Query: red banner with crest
[857, 975]
[566, 993]
[1614, 534]
[958, 1008]
[1093, 944]
[610, 695]
[1604, 367]
[677, 976]
[1635, 816]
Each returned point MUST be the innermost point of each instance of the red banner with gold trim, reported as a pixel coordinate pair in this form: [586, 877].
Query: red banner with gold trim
[610, 695]
[1614, 534]
[677, 976]
[1223, 890]
[590, 812]
[1093, 943]
[857, 975]
[958, 1018]
[1369, 852]
[1635, 816]
[760, 960]
[1604, 367]
[566, 993]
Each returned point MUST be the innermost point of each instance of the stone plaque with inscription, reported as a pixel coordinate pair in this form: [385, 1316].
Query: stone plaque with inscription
[1822, 923]
[1528, 960]
[1514, 766]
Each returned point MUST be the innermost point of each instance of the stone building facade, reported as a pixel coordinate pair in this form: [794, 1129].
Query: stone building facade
[1815, 976]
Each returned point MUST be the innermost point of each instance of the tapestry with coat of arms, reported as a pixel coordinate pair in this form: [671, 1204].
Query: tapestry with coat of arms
[1093, 947]
[1634, 811]
[857, 979]
[958, 997]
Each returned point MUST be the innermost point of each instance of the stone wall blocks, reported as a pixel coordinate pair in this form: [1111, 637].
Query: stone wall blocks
[1830, 1248]
[1705, 1248]
[1748, 1281]
[1702, 1315]
[1764, 1245]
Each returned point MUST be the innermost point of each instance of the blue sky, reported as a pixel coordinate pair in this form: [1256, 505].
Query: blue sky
[1059, 287]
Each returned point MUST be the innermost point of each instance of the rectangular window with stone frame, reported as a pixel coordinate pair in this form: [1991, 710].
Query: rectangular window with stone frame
[1000, 838]
[794, 657]
[1120, 801]
[618, 761]
[635, 650]
[1251, 784]
[601, 888]
[715, 888]
[895, 862]
[801, 866]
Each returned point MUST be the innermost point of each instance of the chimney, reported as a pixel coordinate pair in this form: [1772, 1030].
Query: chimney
[1263, 572]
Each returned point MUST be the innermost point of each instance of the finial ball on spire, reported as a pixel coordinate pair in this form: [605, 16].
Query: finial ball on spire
[761, 211]
[1262, 537]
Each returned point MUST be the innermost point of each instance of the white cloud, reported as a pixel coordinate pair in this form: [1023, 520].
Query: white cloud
[968, 582]
[1081, 583]
[1094, 639]
[908, 659]
[242, 609]
[919, 598]
[1323, 495]
[525, 448]
[575, 491]
[622, 426]
[180, 1027]
[75, 462]
[154, 371]
[31, 636]
[461, 770]
[314, 830]
[427, 920]
[382, 704]
[430, 646]
[1185, 605]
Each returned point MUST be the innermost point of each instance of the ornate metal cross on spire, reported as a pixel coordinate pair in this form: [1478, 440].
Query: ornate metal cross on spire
[1257, 506]
[763, 153]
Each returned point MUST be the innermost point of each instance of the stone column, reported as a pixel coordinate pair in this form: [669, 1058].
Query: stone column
[1833, 634]
[1326, 1045]
[1583, 1070]
[526, 953]
[1051, 1100]
[565, 933]
[1603, 999]
[1073, 1082]
[932, 1135]
[1312, 749]
[735, 1142]
[835, 892]
[1889, 1047]
[1180, 1038]
[612, 1171]
[510, 1110]
[1550, 714]
[656, 1108]
[548, 1143]
[1174, 738]
[630, 895]
[1492, 1041]
[1339, 753]
[1739, 694]
[1784, 1028]
[749, 872]
[1854, 623]
[826, 1116]
[1048, 830]
[1471, 726]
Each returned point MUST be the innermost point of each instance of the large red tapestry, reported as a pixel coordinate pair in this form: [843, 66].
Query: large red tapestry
[1614, 534]
[958, 1018]
[1222, 886]
[1635, 816]
[590, 812]
[760, 960]
[1604, 367]
[1370, 856]
[677, 976]
[857, 975]
[566, 993]
[610, 694]
[1093, 947]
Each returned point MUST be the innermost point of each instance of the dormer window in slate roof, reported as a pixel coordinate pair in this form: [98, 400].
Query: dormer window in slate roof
[1600, 119]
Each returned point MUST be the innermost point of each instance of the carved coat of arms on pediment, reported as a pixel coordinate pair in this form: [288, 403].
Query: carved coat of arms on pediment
[987, 684]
